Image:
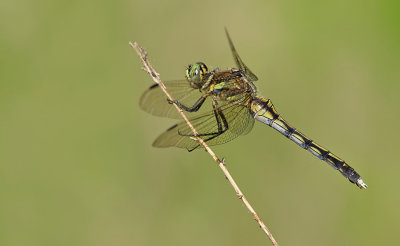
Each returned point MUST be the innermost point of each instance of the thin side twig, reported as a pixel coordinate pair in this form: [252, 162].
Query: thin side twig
[221, 163]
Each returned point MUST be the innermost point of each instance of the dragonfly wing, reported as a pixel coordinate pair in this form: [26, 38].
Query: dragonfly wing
[240, 120]
[239, 61]
[154, 100]
[237, 115]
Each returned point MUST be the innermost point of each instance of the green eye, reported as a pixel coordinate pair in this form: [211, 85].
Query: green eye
[195, 72]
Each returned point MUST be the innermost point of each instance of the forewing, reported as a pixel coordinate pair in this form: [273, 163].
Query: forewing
[154, 100]
[239, 61]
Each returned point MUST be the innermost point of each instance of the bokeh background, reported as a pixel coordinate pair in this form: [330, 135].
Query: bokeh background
[76, 162]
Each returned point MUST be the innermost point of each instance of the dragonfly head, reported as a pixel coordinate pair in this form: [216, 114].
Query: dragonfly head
[195, 73]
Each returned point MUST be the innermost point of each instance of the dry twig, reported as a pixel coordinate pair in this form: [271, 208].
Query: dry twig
[221, 163]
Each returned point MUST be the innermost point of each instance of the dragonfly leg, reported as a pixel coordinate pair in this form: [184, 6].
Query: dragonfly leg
[222, 126]
[196, 106]
[212, 134]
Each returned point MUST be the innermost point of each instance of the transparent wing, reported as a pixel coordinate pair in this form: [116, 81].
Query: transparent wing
[154, 101]
[239, 61]
[236, 113]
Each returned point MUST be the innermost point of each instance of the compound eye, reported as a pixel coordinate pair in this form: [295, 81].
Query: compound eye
[196, 72]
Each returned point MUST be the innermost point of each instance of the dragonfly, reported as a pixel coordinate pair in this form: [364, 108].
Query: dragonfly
[222, 105]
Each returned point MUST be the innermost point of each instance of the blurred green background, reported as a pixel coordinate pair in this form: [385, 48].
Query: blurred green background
[76, 162]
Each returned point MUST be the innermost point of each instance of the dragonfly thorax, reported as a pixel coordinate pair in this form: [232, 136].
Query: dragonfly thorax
[195, 74]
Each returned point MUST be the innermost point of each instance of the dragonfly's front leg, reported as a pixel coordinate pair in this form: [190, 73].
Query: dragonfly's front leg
[196, 106]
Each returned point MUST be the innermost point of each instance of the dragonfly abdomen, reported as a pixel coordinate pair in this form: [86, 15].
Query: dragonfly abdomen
[264, 111]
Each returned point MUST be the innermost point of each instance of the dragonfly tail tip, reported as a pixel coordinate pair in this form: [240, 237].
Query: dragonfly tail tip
[361, 184]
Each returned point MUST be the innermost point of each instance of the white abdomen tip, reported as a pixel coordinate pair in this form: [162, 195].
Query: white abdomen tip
[361, 184]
